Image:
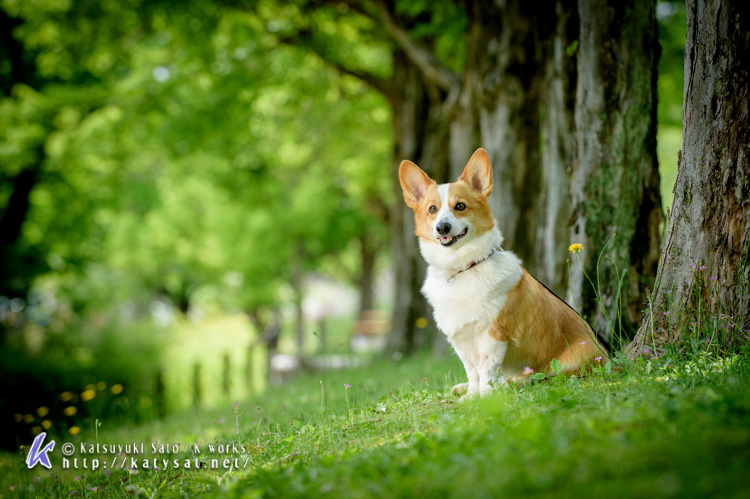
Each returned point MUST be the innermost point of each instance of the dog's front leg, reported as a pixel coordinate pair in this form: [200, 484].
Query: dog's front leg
[471, 388]
[490, 364]
[473, 375]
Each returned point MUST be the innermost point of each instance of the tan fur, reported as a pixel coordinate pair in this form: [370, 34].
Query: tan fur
[420, 192]
[477, 173]
[477, 209]
[537, 326]
[541, 327]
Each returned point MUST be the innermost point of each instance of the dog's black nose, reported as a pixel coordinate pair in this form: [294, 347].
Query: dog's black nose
[443, 228]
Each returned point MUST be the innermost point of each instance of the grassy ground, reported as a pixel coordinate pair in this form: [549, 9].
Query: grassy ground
[658, 428]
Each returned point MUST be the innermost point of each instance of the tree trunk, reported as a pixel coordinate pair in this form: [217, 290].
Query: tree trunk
[516, 66]
[615, 182]
[558, 124]
[367, 256]
[11, 224]
[420, 133]
[18, 266]
[702, 287]
[499, 109]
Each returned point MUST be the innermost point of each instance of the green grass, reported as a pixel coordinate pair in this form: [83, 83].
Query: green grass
[656, 428]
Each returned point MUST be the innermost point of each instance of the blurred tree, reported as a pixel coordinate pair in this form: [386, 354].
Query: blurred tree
[155, 133]
[174, 172]
[350, 38]
[454, 81]
[21, 163]
[502, 76]
[558, 101]
[54, 59]
[704, 279]
[197, 151]
[615, 180]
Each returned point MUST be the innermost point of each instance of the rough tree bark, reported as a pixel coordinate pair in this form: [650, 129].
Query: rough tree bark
[615, 182]
[702, 286]
[558, 124]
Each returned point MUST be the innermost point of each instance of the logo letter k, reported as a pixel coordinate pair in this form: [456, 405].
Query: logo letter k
[40, 456]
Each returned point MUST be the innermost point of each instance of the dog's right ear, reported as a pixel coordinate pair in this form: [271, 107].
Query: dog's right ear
[414, 182]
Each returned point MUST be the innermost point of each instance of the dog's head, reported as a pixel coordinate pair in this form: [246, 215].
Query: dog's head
[450, 215]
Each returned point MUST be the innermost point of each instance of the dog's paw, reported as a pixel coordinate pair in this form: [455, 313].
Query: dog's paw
[468, 396]
[460, 389]
[493, 385]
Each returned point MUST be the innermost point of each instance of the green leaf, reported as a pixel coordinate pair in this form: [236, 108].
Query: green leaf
[555, 365]
[571, 49]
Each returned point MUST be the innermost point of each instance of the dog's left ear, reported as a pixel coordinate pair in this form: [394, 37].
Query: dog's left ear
[478, 173]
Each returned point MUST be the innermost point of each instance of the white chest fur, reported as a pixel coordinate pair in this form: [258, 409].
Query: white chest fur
[476, 295]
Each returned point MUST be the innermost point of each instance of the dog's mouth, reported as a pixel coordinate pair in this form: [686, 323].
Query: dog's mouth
[448, 240]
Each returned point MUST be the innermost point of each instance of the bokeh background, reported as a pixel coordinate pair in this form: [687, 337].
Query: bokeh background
[195, 201]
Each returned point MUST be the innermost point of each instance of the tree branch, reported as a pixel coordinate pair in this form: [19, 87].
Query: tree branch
[432, 69]
[382, 85]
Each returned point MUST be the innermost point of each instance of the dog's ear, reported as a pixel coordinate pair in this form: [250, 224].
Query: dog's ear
[414, 182]
[478, 173]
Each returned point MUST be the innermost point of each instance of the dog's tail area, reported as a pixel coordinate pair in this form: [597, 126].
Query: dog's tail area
[605, 343]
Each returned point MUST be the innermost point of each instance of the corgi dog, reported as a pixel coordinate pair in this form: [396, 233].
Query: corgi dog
[500, 320]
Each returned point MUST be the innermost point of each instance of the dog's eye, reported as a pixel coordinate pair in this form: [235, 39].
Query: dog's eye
[433, 209]
[460, 207]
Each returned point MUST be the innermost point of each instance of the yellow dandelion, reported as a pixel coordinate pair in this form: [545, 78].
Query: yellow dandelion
[90, 387]
[575, 248]
[42, 411]
[88, 395]
[101, 386]
[421, 323]
[18, 417]
[117, 389]
[28, 418]
[46, 424]
[66, 396]
[74, 430]
[71, 410]
[36, 430]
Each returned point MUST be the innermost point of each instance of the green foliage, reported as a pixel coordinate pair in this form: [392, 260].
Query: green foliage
[441, 24]
[672, 33]
[186, 159]
[182, 163]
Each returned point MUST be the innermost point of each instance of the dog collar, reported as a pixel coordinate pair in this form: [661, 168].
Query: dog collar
[452, 278]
